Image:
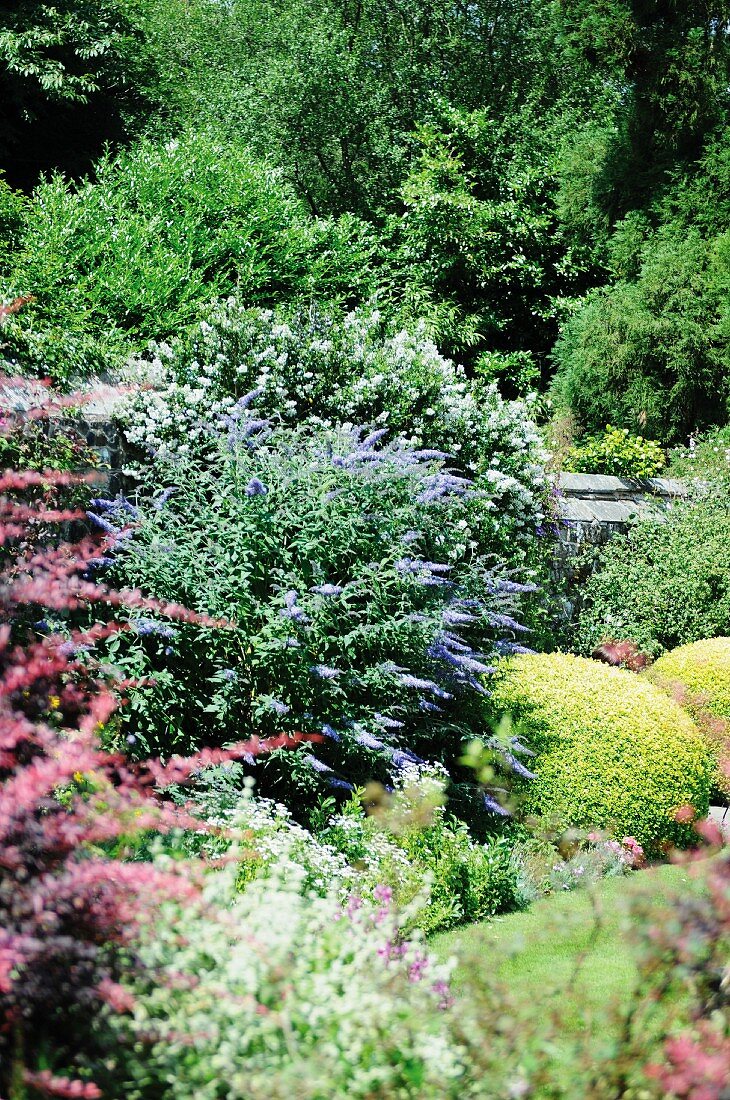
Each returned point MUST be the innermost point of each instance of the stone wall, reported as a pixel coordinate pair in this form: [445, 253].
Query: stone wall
[93, 420]
[594, 507]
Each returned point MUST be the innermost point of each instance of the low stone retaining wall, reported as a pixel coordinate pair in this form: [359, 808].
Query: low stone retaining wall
[595, 507]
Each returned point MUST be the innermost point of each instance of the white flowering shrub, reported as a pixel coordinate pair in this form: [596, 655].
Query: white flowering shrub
[315, 366]
[433, 868]
[279, 993]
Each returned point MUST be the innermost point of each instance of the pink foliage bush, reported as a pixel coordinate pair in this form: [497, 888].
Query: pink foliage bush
[70, 910]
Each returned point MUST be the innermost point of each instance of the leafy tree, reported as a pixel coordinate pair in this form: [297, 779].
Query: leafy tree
[479, 248]
[71, 74]
[650, 352]
[671, 61]
[333, 90]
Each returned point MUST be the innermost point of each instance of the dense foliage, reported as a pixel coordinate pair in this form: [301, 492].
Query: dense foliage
[73, 74]
[438, 875]
[278, 226]
[483, 166]
[327, 367]
[612, 750]
[698, 676]
[163, 229]
[365, 610]
[616, 452]
[665, 583]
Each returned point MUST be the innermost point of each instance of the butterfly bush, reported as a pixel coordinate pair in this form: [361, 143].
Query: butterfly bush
[331, 369]
[281, 993]
[363, 615]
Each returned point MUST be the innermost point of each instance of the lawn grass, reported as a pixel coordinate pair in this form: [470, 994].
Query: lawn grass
[573, 946]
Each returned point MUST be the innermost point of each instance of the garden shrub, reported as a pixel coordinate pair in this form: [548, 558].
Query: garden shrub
[328, 367]
[73, 905]
[616, 452]
[161, 231]
[652, 354]
[663, 584]
[435, 871]
[363, 610]
[612, 750]
[698, 676]
[281, 993]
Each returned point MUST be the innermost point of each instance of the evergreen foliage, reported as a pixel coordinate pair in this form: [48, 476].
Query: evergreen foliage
[612, 750]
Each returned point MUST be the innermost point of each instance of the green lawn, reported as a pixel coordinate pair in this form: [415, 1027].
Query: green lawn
[576, 946]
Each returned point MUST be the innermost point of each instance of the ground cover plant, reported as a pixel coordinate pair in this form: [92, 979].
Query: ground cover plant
[406, 842]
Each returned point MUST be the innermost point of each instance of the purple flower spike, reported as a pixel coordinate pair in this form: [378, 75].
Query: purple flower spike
[373, 437]
[152, 626]
[403, 757]
[494, 807]
[316, 764]
[278, 707]
[457, 618]
[424, 685]
[340, 784]
[160, 501]
[256, 488]
[430, 455]
[325, 672]
[102, 524]
[327, 589]
[369, 741]
[330, 731]
[388, 723]
[245, 401]
[517, 767]
[292, 611]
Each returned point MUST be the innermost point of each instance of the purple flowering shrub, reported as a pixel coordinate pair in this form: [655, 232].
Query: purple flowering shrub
[360, 615]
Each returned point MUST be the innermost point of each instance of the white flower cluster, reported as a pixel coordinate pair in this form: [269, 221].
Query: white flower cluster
[284, 994]
[277, 840]
[326, 370]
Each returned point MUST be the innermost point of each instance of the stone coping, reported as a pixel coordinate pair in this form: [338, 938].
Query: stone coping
[606, 487]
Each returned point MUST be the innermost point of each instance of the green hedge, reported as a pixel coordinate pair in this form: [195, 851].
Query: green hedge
[663, 584]
[698, 676]
[612, 750]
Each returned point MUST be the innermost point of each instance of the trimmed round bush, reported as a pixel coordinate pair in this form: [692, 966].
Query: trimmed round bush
[698, 676]
[612, 750]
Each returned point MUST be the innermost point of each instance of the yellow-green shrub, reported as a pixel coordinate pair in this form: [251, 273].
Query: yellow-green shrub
[613, 751]
[698, 676]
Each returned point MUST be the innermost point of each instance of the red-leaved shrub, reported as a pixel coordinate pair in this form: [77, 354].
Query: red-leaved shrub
[70, 911]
